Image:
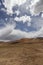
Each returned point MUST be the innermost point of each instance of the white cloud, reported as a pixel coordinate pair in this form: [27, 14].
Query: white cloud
[22, 34]
[18, 34]
[42, 15]
[24, 8]
[10, 3]
[33, 34]
[36, 7]
[6, 30]
[23, 18]
[17, 12]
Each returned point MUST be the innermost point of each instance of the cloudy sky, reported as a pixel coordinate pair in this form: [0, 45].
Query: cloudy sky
[21, 19]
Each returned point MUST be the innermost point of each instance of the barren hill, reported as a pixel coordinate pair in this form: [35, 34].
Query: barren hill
[22, 52]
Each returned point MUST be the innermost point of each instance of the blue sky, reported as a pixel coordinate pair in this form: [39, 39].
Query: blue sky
[21, 19]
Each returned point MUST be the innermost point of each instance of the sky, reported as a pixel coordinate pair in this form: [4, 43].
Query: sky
[21, 19]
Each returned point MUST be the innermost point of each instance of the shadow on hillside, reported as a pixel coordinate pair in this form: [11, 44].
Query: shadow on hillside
[14, 42]
[17, 42]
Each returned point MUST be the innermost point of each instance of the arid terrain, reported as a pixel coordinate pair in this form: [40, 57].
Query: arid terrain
[22, 52]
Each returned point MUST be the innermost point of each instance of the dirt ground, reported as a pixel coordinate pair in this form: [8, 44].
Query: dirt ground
[21, 53]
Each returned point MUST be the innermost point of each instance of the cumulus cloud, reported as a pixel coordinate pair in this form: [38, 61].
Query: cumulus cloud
[23, 19]
[36, 7]
[10, 3]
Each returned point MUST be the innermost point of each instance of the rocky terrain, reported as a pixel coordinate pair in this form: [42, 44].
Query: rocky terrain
[22, 52]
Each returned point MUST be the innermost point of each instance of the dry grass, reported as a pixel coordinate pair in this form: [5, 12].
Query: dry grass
[22, 52]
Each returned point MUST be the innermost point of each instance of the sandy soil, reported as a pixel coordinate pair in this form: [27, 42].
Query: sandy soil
[21, 53]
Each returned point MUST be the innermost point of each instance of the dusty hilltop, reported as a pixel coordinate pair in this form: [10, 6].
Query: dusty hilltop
[22, 52]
